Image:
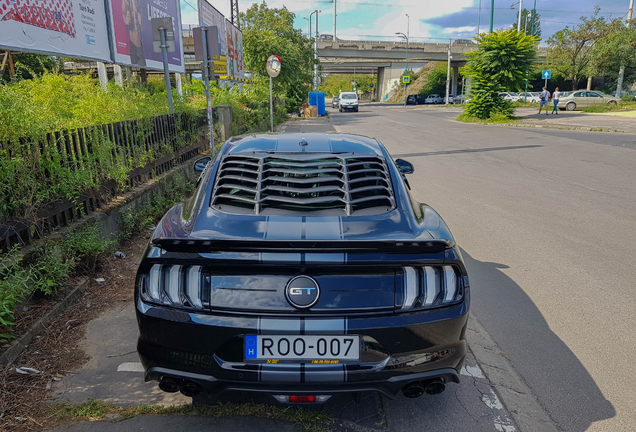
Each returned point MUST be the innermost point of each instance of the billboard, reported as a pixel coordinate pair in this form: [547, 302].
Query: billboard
[209, 16]
[70, 28]
[132, 33]
[234, 52]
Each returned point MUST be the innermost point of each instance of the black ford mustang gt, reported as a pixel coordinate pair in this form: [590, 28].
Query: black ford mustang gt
[302, 267]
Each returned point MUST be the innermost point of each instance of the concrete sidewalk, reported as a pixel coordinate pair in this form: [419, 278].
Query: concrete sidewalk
[577, 120]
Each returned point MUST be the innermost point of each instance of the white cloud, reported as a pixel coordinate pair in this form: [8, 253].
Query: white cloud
[465, 29]
[397, 20]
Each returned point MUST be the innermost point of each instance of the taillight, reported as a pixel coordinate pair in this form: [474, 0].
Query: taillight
[173, 285]
[431, 286]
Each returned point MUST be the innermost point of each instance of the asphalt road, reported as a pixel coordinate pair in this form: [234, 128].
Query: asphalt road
[547, 223]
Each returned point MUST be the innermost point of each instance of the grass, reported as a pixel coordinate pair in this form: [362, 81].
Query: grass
[494, 120]
[623, 106]
[93, 409]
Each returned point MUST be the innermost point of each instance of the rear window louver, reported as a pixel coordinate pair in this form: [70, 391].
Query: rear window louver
[324, 183]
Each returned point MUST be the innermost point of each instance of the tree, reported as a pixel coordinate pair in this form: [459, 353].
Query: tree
[435, 81]
[271, 31]
[616, 48]
[333, 84]
[28, 66]
[527, 20]
[571, 50]
[500, 63]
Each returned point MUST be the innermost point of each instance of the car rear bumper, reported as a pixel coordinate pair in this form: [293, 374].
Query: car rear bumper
[389, 387]
[396, 349]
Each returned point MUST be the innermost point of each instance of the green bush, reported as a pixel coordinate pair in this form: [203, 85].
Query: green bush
[435, 81]
[85, 246]
[50, 267]
[500, 62]
[14, 286]
[627, 97]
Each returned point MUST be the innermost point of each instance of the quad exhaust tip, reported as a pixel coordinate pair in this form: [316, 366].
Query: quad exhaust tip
[418, 388]
[172, 385]
[169, 385]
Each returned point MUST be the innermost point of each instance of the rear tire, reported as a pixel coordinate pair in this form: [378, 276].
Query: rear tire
[571, 106]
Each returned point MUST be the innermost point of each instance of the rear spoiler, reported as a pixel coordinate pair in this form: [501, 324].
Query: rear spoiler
[299, 246]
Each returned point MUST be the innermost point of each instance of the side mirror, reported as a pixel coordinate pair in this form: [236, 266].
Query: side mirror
[200, 164]
[405, 167]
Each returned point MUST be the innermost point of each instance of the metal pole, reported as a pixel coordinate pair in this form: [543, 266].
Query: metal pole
[448, 70]
[166, 71]
[520, 9]
[206, 78]
[534, 12]
[408, 24]
[492, 13]
[621, 72]
[479, 17]
[271, 107]
[406, 70]
[316, 55]
[334, 20]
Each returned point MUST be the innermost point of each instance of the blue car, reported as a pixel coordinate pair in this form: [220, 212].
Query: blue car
[302, 267]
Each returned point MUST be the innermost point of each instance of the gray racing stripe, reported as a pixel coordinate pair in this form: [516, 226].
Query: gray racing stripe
[335, 258]
[318, 326]
[280, 257]
[280, 373]
[323, 228]
[286, 326]
[335, 375]
[284, 228]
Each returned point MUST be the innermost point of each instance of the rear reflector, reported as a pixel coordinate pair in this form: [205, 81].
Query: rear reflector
[302, 399]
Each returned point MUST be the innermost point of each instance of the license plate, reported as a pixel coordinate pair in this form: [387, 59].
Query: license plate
[302, 347]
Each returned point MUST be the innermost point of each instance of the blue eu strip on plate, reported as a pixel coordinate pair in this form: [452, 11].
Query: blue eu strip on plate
[250, 346]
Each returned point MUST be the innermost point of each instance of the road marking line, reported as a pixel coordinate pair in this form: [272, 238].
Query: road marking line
[130, 367]
[472, 371]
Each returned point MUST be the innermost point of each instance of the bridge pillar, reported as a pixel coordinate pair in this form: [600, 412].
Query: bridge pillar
[379, 87]
[455, 77]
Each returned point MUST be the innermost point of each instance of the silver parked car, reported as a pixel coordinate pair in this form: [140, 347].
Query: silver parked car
[585, 98]
[434, 99]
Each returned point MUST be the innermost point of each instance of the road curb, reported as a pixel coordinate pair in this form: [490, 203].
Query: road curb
[550, 126]
[514, 393]
[18, 345]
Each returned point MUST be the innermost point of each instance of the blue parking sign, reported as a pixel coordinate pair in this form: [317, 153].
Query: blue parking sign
[250, 346]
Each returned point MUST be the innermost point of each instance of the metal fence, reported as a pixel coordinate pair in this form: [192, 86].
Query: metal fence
[143, 149]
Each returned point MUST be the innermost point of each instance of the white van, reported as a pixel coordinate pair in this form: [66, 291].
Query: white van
[348, 101]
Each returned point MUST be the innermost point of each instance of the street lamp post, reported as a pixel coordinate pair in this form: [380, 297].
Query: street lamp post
[407, 61]
[308, 26]
[315, 49]
[448, 71]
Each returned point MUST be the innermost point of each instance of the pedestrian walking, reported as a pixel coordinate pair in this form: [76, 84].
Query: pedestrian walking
[555, 98]
[545, 97]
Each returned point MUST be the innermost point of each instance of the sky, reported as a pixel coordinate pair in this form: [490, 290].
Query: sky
[428, 20]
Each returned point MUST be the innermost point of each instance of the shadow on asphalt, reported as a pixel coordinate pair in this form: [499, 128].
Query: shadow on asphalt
[576, 402]
[447, 152]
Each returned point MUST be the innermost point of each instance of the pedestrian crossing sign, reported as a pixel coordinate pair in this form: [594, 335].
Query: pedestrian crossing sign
[406, 80]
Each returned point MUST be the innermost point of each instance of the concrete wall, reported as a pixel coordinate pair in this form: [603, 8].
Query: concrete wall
[391, 76]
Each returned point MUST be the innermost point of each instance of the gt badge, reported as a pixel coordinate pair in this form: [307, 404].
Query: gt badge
[302, 292]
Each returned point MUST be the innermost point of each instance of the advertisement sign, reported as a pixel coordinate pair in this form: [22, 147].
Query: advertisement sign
[234, 52]
[209, 16]
[132, 33]
[69, 28]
